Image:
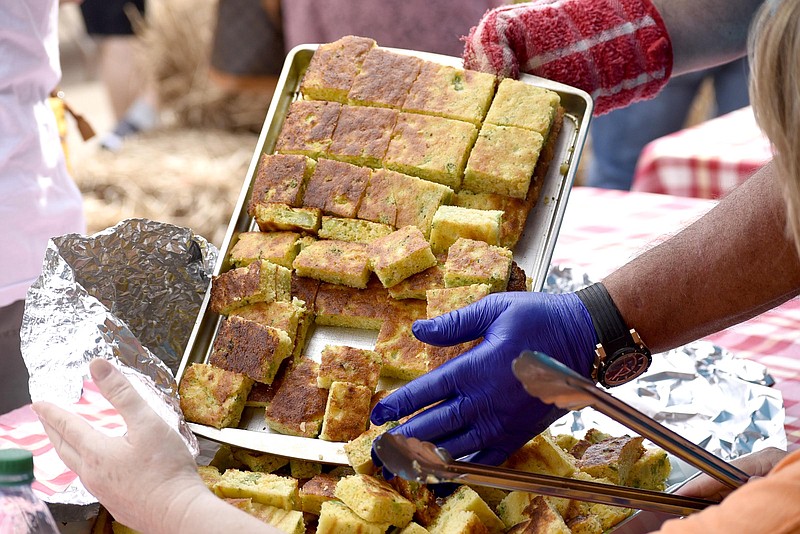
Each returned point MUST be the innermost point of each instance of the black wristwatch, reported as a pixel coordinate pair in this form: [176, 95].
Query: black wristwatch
[620, 354]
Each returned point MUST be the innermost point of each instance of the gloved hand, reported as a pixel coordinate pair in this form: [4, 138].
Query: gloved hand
[616, 50]
[483, 410]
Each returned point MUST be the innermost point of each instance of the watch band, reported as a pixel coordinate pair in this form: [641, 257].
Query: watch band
[608, 323]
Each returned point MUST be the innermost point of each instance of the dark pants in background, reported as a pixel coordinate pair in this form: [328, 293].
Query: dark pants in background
[13, 373]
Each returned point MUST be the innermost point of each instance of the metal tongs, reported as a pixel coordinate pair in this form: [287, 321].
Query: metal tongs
[555, 383]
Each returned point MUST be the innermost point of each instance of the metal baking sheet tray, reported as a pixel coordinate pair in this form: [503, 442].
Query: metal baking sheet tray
[533, 251]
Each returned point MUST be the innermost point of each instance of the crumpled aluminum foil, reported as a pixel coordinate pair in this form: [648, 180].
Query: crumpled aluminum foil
[129, 294]
[705, 393]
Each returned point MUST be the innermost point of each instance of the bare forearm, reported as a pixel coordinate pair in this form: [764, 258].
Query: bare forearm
[729, 266]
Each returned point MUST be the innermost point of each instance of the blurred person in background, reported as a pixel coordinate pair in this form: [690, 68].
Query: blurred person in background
[38, 199]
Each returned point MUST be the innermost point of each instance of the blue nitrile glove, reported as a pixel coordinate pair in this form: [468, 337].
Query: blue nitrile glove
[485, 412]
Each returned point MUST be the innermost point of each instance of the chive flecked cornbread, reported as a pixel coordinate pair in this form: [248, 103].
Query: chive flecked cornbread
[359, 450]
[280, 178]
[475, 262]
[303, 469]
[299, 404]
[339, 305]
[543, 518]
[340, 363]
[285, 316]
[333, 67]
[308, 128]
[279, 248]
[451, 223]
[466, 499]
[612, 458]
[288, 521]
[400, 254]
[458, 522]
[523, 105]
[260, 462]
[384, 79]
[316, 491]
[379, 204]
[261, 281]
[337, 262]
[264, 488]
[336, 187]
[374, 500]
[452, 93]
[543, 456]
[250, 348]
[515, 212]
[353, 230]
[337, 518]
[650, 471]
[347, 411]
[402, 355]
[425, 502]
[213, 396]
[282, 217]
[441, 301]
[362, 135]
[417, 286]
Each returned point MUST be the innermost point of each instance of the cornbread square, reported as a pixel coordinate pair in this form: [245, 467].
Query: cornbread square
[336, 188]
[223, 459]
[264, 488]
[379, 204]
[565, 441]
[451, 223]
[402, 355]
[612, 458]
[585, 524]
[475, 262]
[466, 499]
[347, 412]
[353, 230]
[317, 491]
[542, 455]
[543, 519]
[414, 528]
[333, 67]
[280, 178]
[515, 212]
[305, 290]
[261, 281]
[384, 80]
[449, 92]
[517, 506]
[299, 405]
[336, 262]
[374, 500]
[210, 475]
[262, 394]
[340, 363]
[276, 217]
[302, 469]
[336, 518]
[417, 201]
[359, 450]
[502, 161]
[426, 507]
[492, 496]
[213, 396]
[400, 254]
[433, 148]
[523, 105]
[651, 471]
[608, 516]
[288, 521]
[417, 286]
[308, 128]
[285, 316]
[339, 305]
[458, 522]
[441, 301]
[260, 462]
[250, 348]
[279, 248]
[362, 135]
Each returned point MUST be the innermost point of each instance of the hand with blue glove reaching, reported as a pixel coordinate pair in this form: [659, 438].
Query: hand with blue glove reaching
[483, 412]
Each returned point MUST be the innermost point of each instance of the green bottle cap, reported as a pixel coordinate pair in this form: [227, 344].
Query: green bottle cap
[16, 467]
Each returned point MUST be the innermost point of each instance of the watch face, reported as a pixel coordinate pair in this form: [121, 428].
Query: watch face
[625, 367]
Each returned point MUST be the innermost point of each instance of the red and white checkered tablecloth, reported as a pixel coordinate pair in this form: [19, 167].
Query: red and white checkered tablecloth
[604, 229]
[705, 161]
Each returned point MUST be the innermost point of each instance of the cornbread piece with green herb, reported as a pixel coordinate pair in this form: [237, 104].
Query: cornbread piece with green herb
[379, 204]
[359, 450]
[336, 188]
[384, 80]
[281, 217]
[465, 499]
[402, 355]
[336, 262]
[264, 488]
[650, 471]
[374, 500]
[353, 230]
[542, 455]
[475, 262]
[400, 254]
[523, 105]
[338, 305]
[417, 286]
[347, 412]
[452, 93]
[302, 469]
[426, 507]
[340, 363]
[417, 201]
[279, 248]
[336, 518]
[299, 404]
[333, 67]
[362, 135]
[565, 441]
[543, 519]
[492, 496]
[308, 128]
[515, 212]
[280, 178]
[288, 521]
[285, 316]
[612, 458]
[414, 528]
[223, 459]
[250, 348]
[210, 475]
[441, 301]
[516, 507]
[585, 524]
[458, 522]
[261, 462]
[304, 289]
[213, 396]
[451, 223]
[261, 281]
[433, 148]
[261, 394]
[317, 491]
[608, 516]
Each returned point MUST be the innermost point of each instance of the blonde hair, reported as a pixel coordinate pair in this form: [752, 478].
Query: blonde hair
[774, 49]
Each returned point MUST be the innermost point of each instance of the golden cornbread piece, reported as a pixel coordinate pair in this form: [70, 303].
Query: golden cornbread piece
[340, 363]
[362, 135]
[565, 441]
[612, 458]
[347, 412]
[449, 92]
[279, 248]
[515, 212]
[466, 499]
[264, 488]
[421, 495]
[338, 305]
[594, 436]
[223, 459]
[333, 67]
[210, 475]
[502, 161]
[475, 262]
[288, 521]
[213, 396]
[261, 281]
[336, 188]
[260, 462]
[417, 286]
[336, 262]
[400, 254]
[302, 469]
[384, 80]
[308, 128]
[250, 348]
[277, 217]
[317, 491]
[441, 301]
[492, 496]
[458, 522]
[451, 223]
[542, 455]
[285, 316]
[299, 405]
[305, 290]
[374, 500]
[336, 518]
[651, 471]
[359, 450]
[417, 201]
[353, 230]
[517, 507]
[608, 516]
[543, 519]
[280, 178]
[402, 355]
[379, 204]
[585, 524]
[523, 105]
[414, 528]
[433, 148]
